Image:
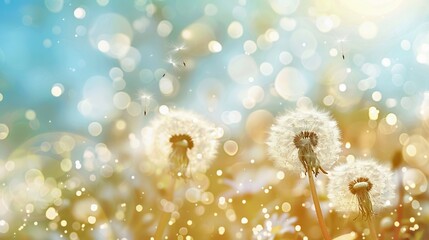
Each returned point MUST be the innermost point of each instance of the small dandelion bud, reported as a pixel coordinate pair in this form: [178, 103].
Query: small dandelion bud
[309, 137]
[182, 142]
[362, 186]
[397, 160]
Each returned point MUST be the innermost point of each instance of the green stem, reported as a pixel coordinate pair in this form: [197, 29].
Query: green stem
[165, 216]
[373, 231]
[317, 206]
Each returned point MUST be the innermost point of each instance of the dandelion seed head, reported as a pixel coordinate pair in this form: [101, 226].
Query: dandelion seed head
[182, 132]
[182, 140]
[304, 138]
[301, 127]
[360, 184]
[347, 180]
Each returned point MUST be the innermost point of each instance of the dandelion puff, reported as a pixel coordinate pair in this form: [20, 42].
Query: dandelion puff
[182, 143]
[304, 139]
[363, 187]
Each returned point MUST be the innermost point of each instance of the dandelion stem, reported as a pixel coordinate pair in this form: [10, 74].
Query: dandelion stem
[373, 231]
[317, 206]
[165, 216]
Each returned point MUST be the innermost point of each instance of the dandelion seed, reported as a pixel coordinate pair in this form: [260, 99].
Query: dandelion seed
[341, 41]
[146, 100]
[362, 187]
[179, 48]
[309, 137]
[183, 143]
[172, 62]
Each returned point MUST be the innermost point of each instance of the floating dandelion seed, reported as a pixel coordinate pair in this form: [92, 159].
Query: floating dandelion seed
[183, 143]
[304, 140]
[146, 100]
[179, 48]
[362, 186]
[341, 42]
[172, 62]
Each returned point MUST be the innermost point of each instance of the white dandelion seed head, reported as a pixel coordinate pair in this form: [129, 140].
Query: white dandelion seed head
[381, 193]
[281, 145]
[204, 136]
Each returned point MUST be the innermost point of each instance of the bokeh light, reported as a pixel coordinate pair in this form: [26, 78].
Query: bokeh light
[81, 82]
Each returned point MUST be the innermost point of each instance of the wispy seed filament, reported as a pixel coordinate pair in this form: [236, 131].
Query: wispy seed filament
[305, 141]
[360, 187]
[179, 159]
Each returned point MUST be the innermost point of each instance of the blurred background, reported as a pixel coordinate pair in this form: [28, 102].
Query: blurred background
[81, 80]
